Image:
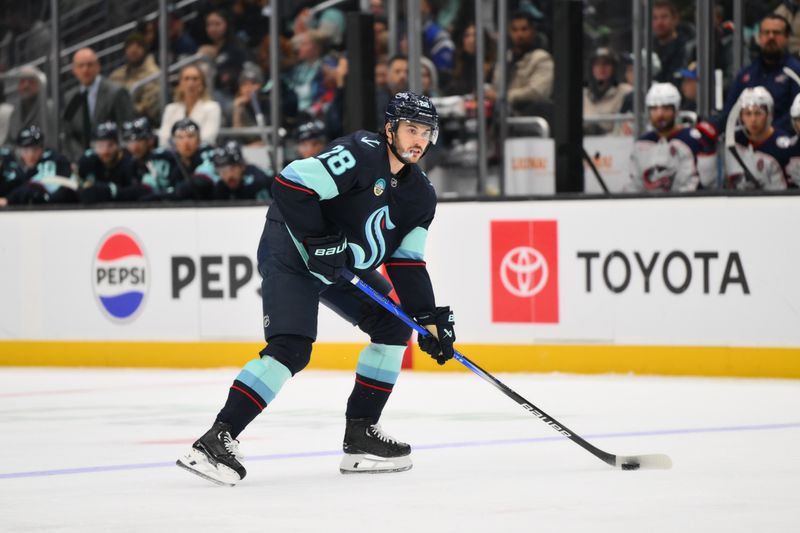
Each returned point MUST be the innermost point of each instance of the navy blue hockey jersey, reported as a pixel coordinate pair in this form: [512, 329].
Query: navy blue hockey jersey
[349, 188]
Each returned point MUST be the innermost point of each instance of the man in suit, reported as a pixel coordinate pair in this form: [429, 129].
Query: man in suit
[94, 101]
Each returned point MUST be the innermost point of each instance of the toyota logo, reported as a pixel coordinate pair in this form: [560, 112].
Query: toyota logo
[518, 269]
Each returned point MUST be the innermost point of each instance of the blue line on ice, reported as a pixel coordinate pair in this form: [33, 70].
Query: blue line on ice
[445, 445]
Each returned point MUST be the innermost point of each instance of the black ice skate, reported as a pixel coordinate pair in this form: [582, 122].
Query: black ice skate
[367, 449]
[215, 456]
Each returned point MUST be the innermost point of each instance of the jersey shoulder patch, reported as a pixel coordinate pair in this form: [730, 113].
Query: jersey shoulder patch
[783, 142]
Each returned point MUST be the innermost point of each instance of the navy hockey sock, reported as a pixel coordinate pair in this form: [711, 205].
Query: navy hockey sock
[253, 389]
[376, 373]
[368, 398]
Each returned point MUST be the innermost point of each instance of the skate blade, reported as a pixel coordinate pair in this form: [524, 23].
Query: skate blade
[372, 464]
[196, 463]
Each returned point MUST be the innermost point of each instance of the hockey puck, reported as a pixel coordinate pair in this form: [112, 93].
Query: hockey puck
[630, 466]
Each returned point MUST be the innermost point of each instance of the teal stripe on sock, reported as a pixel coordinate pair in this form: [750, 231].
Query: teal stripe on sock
[381, 362]
[266, 376]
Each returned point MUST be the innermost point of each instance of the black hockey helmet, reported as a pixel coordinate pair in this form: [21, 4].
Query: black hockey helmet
[185, 124]
[137, 129]
[313, 129]
[413, 107]
[30, 136]
[107, 131]
[228, 154]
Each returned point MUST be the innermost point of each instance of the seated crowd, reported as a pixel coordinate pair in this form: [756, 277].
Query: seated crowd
[120, 143]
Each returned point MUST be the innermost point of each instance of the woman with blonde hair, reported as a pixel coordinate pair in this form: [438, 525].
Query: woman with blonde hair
[192, 100]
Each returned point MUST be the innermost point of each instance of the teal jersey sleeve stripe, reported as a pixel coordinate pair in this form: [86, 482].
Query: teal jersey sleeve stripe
[311, 173]
[413, 245]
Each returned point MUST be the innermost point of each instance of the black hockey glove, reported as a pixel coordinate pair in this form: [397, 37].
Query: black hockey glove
[440, 348]
[327, 255]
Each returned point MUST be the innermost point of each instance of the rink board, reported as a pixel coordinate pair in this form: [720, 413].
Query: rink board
[699, 286]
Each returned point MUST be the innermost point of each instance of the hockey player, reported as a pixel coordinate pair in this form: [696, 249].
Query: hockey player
[9, 171]
[186, 171]
[238, 179]
[361, 203]
[310, 138]
[42, 175]
[762, 151]
[671, 157]
[793, 166]
[107, 172]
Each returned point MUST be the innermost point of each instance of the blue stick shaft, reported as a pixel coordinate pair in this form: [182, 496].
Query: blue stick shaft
[538, 413]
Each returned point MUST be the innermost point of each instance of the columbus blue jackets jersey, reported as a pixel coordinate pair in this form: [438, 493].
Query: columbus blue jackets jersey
[681, 161]
[349, 188]
[767, 162]
[255, 185]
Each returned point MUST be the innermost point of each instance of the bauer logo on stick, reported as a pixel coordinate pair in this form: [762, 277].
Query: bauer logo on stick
[120, 276]
[525, 271]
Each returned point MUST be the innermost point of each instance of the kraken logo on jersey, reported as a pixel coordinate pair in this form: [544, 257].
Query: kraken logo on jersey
[377, 245]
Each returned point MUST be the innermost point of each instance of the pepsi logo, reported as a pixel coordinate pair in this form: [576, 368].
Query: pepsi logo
[119, 275]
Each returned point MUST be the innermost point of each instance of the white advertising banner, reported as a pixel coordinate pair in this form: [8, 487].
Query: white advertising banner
[669, 272]
[530, 164]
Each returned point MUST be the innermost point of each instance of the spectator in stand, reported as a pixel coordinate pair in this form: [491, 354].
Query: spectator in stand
[107, 172]
[27, 110]
[429, 78]
[94, 101]
[139, 65]
[774, 69]
[250, 102]
[604, 95]
[41, 176]
[788, 9]
[529, 69]
[669, 44]
[228, 53]
[192, 100]
[305, 78]
[249, 22]
[463, 78]
[328, 23]
[329, 106]
[396, 82]
[670, 157]
[762, 150]
[437, 44]
[310, 138]
[688, 86]
[238, 180]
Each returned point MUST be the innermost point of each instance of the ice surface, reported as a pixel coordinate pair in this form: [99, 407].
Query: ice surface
[94, 450]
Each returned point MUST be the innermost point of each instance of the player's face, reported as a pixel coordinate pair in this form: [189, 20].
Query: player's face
[231, 175]
[412, 140]
[30, 155]
[755, 120]
[796, 125]
[138, 148]
[662, 117]
[186, 143]
[106, 150]
[309, 147]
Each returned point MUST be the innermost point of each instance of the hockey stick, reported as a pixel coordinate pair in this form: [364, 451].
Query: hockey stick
[595, 171]
[623, 462]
